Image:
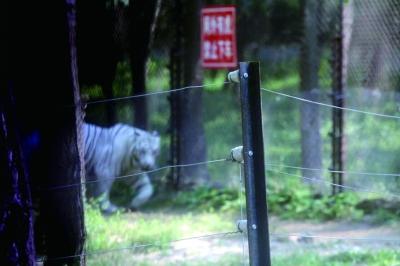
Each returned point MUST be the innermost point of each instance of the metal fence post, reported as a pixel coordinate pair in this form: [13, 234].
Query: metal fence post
[254, 169]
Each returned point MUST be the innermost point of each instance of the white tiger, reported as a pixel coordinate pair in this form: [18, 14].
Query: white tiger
[118, 151]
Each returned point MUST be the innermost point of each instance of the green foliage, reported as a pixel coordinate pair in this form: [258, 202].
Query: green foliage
[214, 79]
[281, 75]
[158, 73]
[298, 202]
[289, 82]
[290, 202]
[205, 199]
[92, 91]
[122, 85]
[383, 216]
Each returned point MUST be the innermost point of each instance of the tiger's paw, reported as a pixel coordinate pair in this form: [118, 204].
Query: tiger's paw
[108, 209]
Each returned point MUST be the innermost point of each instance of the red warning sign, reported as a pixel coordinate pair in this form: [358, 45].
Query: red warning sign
[218, 37]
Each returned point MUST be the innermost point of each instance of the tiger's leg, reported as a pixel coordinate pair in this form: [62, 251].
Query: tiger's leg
[102, 191]
[143, 190]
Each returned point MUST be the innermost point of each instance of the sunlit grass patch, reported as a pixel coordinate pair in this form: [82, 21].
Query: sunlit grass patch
[157, 229]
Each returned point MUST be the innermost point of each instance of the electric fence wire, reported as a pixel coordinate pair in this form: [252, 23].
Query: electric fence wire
[155, 93]
[322, 180]
[333, 171]
[331, 106]
[136, 174]
[137, 246]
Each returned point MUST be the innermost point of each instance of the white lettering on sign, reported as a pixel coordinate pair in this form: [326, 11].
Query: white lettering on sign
[217, 25]
[218, 37]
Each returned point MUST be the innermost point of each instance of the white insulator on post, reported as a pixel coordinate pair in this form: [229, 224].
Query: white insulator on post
[237, 154]
[234, 76]
[241, 226]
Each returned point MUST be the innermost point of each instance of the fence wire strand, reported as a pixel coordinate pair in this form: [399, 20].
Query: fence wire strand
[322, 180]
[154, 93]
[331, 106]
[334, 171]
[136, 246]
[137, 174]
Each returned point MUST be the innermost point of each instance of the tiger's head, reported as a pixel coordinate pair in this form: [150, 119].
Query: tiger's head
[145, 150]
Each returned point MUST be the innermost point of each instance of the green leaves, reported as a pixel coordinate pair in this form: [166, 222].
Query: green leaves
[209, 200]
[299, 203]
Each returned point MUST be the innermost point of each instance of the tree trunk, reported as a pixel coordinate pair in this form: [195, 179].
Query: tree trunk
[16, 230]
[311, 144]
[192, 141]
[348, 19]
[66, 234]
[176, 81]
[143, 15]
[46, 91]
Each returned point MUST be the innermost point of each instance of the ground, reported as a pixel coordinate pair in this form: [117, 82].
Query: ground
[231, 249]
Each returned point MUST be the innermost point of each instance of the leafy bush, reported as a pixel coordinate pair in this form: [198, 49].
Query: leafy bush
[209, 200]
[288, 203]
[300, 203]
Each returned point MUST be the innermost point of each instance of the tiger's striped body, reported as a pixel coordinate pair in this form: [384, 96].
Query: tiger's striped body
[118, 151]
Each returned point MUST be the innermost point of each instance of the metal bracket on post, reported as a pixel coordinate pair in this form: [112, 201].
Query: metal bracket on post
[254, 169]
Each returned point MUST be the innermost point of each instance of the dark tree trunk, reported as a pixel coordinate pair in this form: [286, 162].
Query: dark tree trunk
[192, 142]
[311, 144]
[46, 90]
[143, 15]
[16, 224]
[176, 81]
[66, 234]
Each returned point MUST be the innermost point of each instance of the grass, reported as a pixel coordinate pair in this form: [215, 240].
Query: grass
[123, 230]
[130, 259]
[379, 258]
[371, 146]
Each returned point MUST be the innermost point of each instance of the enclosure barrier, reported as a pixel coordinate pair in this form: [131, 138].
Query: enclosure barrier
[251, 156]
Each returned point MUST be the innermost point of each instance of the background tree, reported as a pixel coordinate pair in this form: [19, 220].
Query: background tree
[311, 143]
[190, 144]
[110, 32]
[143, 16]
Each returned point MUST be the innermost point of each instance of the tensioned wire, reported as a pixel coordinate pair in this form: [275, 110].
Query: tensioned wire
[322, 180]
[136, 246]
[156, 93]
[333, 171]
[225, 234]
[137, 174]
[330, 105]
